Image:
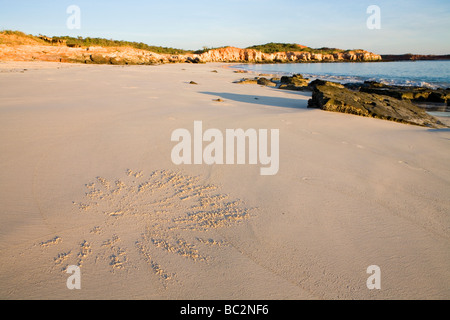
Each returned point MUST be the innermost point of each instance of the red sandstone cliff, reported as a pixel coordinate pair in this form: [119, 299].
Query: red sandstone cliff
[22, 48]
[231, 54]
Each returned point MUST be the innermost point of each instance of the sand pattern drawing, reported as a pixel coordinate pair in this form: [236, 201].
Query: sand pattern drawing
[170, 212]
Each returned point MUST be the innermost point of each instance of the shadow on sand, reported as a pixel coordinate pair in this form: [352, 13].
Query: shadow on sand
[280, 102]
[439, 130]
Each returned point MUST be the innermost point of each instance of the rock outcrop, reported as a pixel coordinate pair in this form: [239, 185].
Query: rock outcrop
[415, 94]
[295, 82]
[337, 98]
[369, 99]
[266, 82]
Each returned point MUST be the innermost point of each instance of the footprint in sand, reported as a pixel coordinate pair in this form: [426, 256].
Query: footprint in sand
[407, 165]
[170, 213]
[311, 132]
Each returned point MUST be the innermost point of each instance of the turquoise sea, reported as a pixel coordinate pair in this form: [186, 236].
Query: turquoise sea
[434, 74]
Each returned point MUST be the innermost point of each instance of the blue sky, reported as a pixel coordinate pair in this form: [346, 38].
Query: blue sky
[414, 26]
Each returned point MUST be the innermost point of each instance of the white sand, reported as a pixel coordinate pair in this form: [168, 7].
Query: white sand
[351, 192]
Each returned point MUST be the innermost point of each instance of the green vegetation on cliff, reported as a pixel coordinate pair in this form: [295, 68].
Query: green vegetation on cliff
[287, 47]
[206, 49]
[88, 42]
[276, 47]
[10, 37]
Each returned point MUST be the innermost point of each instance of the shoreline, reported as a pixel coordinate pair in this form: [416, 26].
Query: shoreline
[349, 78]
[439, 110]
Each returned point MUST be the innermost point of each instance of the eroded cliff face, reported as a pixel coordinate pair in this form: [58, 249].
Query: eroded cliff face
[231, 54]
[125, 55]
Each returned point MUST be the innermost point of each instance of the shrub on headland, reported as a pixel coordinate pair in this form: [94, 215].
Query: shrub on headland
[10, 37]
[101, 42]
[292, 47]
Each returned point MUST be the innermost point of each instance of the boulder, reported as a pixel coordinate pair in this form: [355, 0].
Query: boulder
[292, 80]
[337, 98]
[266, 82]
[193, 60]
[295, 82]
[248, 81]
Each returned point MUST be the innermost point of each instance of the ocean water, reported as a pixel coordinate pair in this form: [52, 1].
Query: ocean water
[434, 74]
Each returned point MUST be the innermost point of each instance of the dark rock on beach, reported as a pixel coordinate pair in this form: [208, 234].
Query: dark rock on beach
[257, 80]
[293, 79]
[266, 82]
[247, 81]
[415, 94]
[335, 97]
[295, 82]
[193, 60]
[355, 86]
[368, 99]
[319, 82]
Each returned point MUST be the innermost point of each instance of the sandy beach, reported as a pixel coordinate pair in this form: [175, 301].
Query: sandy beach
[87, 179]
